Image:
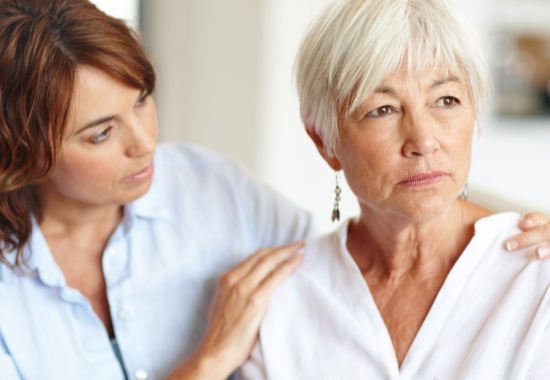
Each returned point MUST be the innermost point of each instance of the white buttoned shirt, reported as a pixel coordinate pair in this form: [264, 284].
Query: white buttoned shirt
[490, 320]
[202, 216]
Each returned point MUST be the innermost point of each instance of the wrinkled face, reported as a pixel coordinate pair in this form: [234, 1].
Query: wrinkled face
[407, 149]
[107, 153]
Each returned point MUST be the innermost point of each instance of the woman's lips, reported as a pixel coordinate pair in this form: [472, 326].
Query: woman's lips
[142, 176]
[424, 179]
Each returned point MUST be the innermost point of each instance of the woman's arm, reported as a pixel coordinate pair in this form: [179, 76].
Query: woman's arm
[239, 305]
[537, 231]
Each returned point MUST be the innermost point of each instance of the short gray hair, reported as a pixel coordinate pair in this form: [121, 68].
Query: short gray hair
[353, 45]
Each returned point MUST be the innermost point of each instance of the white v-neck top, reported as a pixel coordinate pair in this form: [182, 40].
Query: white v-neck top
[490, 319]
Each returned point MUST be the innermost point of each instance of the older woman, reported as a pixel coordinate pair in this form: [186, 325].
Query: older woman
[420, 285]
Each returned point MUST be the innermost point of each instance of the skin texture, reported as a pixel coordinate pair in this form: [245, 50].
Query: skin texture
[408, 237]
[82, 205]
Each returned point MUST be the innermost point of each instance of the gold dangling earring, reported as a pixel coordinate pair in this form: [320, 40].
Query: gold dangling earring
[464, 193]
[336, 210]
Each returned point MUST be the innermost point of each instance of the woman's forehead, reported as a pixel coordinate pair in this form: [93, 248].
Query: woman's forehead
[424, 80]
[97, 95]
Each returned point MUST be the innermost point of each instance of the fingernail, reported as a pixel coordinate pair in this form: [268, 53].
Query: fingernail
[543, 252]
[300, 251]
[511, 245]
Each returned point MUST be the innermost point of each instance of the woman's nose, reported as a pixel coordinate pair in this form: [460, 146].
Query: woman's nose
[142, 141]
[420, 136]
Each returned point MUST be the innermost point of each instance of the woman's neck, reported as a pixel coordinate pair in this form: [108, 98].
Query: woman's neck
[62, 215]
[390, 247]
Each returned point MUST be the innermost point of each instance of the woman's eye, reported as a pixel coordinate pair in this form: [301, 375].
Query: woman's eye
[102, 136]
[380, 111]
[447, 101]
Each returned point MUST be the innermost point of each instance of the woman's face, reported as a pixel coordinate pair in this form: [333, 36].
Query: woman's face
[407, 150]
[107, 153]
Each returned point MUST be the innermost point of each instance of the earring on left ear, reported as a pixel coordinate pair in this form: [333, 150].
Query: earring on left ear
[336, 210]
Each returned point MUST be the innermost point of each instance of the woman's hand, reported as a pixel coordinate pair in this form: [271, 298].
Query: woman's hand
[537, 231]
[239, 305]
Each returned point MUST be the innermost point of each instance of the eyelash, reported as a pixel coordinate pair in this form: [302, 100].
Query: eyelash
[455, 101]
[141, 100]
[371, 113]
[102, 136]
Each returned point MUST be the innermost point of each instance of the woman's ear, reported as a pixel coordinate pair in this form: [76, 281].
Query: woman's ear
[331, 159]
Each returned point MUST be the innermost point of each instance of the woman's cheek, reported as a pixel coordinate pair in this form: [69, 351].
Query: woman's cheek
[88, 172]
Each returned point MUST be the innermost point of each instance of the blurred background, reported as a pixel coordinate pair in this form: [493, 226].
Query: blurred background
[225, 82]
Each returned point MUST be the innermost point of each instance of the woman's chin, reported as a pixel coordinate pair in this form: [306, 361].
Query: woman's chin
[129, 195]
[423, 209]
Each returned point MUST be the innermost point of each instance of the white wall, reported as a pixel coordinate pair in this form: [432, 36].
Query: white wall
[206, 53]
[124, 9]
[225, 81]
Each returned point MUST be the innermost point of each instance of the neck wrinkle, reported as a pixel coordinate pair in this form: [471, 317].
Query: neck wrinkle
[389, 247]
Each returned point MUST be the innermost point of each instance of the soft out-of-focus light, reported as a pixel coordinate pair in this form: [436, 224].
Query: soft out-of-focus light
[127, 10]
[522, 69]
[503, 50]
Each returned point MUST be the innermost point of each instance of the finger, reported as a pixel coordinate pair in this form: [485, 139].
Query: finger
[240, 271]
[269, 263]
[532, 220]
[543, 252]
[534, 236]
[277, 276]
[256, 302]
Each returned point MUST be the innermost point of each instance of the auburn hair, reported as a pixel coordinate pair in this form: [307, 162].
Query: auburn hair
[42, 44]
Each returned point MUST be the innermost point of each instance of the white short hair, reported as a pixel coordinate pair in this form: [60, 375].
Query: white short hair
[353, 45]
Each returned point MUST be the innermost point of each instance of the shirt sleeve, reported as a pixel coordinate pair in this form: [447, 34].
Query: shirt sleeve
[8, 371]
[274, 219]
[254, 367]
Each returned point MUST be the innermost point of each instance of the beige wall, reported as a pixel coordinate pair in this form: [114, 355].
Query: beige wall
[206, 53]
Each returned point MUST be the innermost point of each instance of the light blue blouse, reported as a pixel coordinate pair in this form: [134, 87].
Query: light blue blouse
[202, 216]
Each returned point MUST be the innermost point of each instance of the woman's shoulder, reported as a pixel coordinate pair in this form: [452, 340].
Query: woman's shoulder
[325, 250]
[500, 225]
[189, 179]
[218, 196]
[325, 263]
[491, 234]
[190, 167]
[196, 172]
[473, 212]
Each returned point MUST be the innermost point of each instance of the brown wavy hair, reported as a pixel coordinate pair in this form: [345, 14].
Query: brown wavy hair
[42, 44]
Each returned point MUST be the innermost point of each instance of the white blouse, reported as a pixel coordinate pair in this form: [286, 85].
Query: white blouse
[490, 319]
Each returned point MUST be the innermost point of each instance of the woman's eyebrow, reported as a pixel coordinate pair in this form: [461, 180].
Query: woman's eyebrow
[385, 90]
[95, 123]
[438, 82]
[442, 81]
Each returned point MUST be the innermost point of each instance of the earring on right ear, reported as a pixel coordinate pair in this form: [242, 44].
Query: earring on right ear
[464, 193]
[336, 210]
